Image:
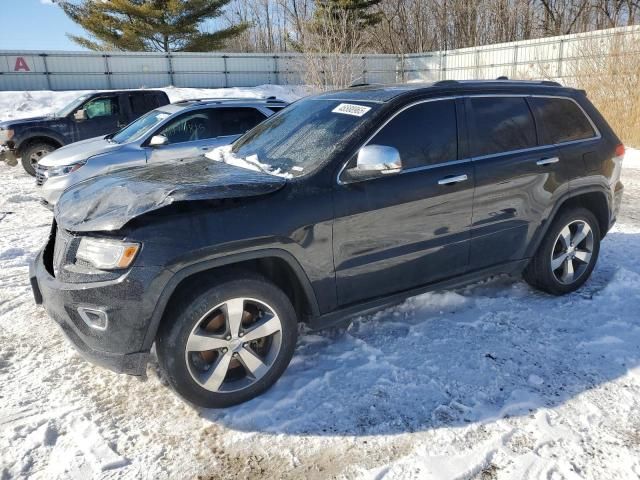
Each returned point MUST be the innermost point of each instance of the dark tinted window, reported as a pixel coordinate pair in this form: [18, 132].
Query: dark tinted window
[274, 108]
[502, 124]
[234, 121]
[424, 134]
[561, 120]
[142, 103]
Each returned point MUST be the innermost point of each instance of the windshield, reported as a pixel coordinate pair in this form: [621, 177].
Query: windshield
[292, 142]
[137, 129]
[72, 106]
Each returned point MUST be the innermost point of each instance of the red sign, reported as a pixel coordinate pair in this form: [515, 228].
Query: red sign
[21, 65]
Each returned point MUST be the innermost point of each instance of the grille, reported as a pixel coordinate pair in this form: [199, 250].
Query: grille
[41, 174]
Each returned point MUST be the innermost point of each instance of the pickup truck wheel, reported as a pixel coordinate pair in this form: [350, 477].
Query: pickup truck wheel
[31, 155]
[567, 255]
[229, 343]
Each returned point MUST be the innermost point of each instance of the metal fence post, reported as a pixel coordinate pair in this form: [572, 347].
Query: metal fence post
[170, 63]
[276, 70]
[560, 57]
[46, 70]
[477, 59]
[514, 67]
[107, 70]
[364, 69]
[226, 78]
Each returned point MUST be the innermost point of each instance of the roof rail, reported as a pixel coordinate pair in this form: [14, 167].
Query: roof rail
[446, 82]
[359, 84]
[235, 99]
[551, 83]
[502, 77]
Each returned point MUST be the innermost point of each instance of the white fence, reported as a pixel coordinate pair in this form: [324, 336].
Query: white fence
[548, 57]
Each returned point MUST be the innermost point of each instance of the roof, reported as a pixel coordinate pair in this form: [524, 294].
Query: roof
[383, 93]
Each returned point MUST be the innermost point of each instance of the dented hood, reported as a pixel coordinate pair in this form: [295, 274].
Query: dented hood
[108, 202]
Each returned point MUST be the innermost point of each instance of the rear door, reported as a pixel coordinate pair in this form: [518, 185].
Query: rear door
[400, 231]
[142, 102]
[517, 178]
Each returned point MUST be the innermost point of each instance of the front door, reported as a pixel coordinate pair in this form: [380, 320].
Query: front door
[102, 116]
[400, 231]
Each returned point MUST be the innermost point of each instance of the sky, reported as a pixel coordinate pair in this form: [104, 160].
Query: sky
[35, 25]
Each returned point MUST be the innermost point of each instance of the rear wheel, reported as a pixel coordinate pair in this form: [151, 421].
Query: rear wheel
[32, 154]
[228, 343]
[568, 253]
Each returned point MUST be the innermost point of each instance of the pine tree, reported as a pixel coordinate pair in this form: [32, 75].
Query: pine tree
[347, 19]
[149, 25]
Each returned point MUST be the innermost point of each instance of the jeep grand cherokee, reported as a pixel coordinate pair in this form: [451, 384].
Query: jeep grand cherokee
[342, 203]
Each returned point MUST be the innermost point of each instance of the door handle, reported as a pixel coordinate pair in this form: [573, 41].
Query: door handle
[547, 161]
[453, 179]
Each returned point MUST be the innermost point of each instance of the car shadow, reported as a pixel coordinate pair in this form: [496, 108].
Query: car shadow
[494, 349]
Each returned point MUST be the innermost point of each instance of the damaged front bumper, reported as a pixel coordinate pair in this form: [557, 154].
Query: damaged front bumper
[8, 156]
[105, 321]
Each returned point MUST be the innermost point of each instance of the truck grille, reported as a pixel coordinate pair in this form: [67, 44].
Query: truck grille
[41, 174]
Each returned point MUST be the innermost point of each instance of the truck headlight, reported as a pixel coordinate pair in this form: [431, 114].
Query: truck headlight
[107, 254]
[5, 135]
[64, 169]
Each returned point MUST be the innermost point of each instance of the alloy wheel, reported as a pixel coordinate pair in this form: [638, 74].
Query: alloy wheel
[37, 155]
[572, 252]
[233, 345]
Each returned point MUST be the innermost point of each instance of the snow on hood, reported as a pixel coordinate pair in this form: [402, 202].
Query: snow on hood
[78, 151]
[108, 202]
[224, 154]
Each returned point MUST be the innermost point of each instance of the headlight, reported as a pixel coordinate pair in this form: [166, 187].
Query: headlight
[107, 254]
[64, 169]
[5, 135]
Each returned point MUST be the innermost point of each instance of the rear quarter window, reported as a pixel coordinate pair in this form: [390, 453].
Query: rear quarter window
[501, 124]
[561, 120]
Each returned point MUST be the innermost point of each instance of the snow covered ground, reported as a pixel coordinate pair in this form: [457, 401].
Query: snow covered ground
[494, 380]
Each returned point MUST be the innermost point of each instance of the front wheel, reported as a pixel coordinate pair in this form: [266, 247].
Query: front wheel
[568, 253]
[32, 154]
[228, 343]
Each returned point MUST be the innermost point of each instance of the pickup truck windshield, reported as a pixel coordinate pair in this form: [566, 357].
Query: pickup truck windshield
[63, 112]
[137, 129]
[302, 135]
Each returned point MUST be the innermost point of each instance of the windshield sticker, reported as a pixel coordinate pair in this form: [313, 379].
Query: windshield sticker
[351, 109]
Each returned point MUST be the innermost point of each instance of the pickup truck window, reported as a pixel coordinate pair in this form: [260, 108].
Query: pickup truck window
[102, 107]
[73, 106]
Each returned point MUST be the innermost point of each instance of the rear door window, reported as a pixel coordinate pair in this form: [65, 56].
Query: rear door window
[142, 103]
[235, 121]
[561, 120]
[501, 124]
[424, 134]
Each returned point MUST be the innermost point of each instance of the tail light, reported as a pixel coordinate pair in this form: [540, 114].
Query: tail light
[620, 151]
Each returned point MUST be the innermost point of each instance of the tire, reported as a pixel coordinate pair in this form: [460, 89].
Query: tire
[554, 252]
[32, 154]
[228, 373]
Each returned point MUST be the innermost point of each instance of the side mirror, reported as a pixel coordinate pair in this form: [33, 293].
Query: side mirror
[158, 141]
[80, 115]
[376, 159]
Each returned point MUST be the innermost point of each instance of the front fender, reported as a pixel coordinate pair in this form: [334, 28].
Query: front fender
[22, 137]
[177, 277]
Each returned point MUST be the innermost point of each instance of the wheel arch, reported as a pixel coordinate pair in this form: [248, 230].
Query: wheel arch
[594, 199]
[43, 137]
[276, 265]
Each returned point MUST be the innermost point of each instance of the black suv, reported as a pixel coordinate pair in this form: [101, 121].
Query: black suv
[340, 204]
[90, 115]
